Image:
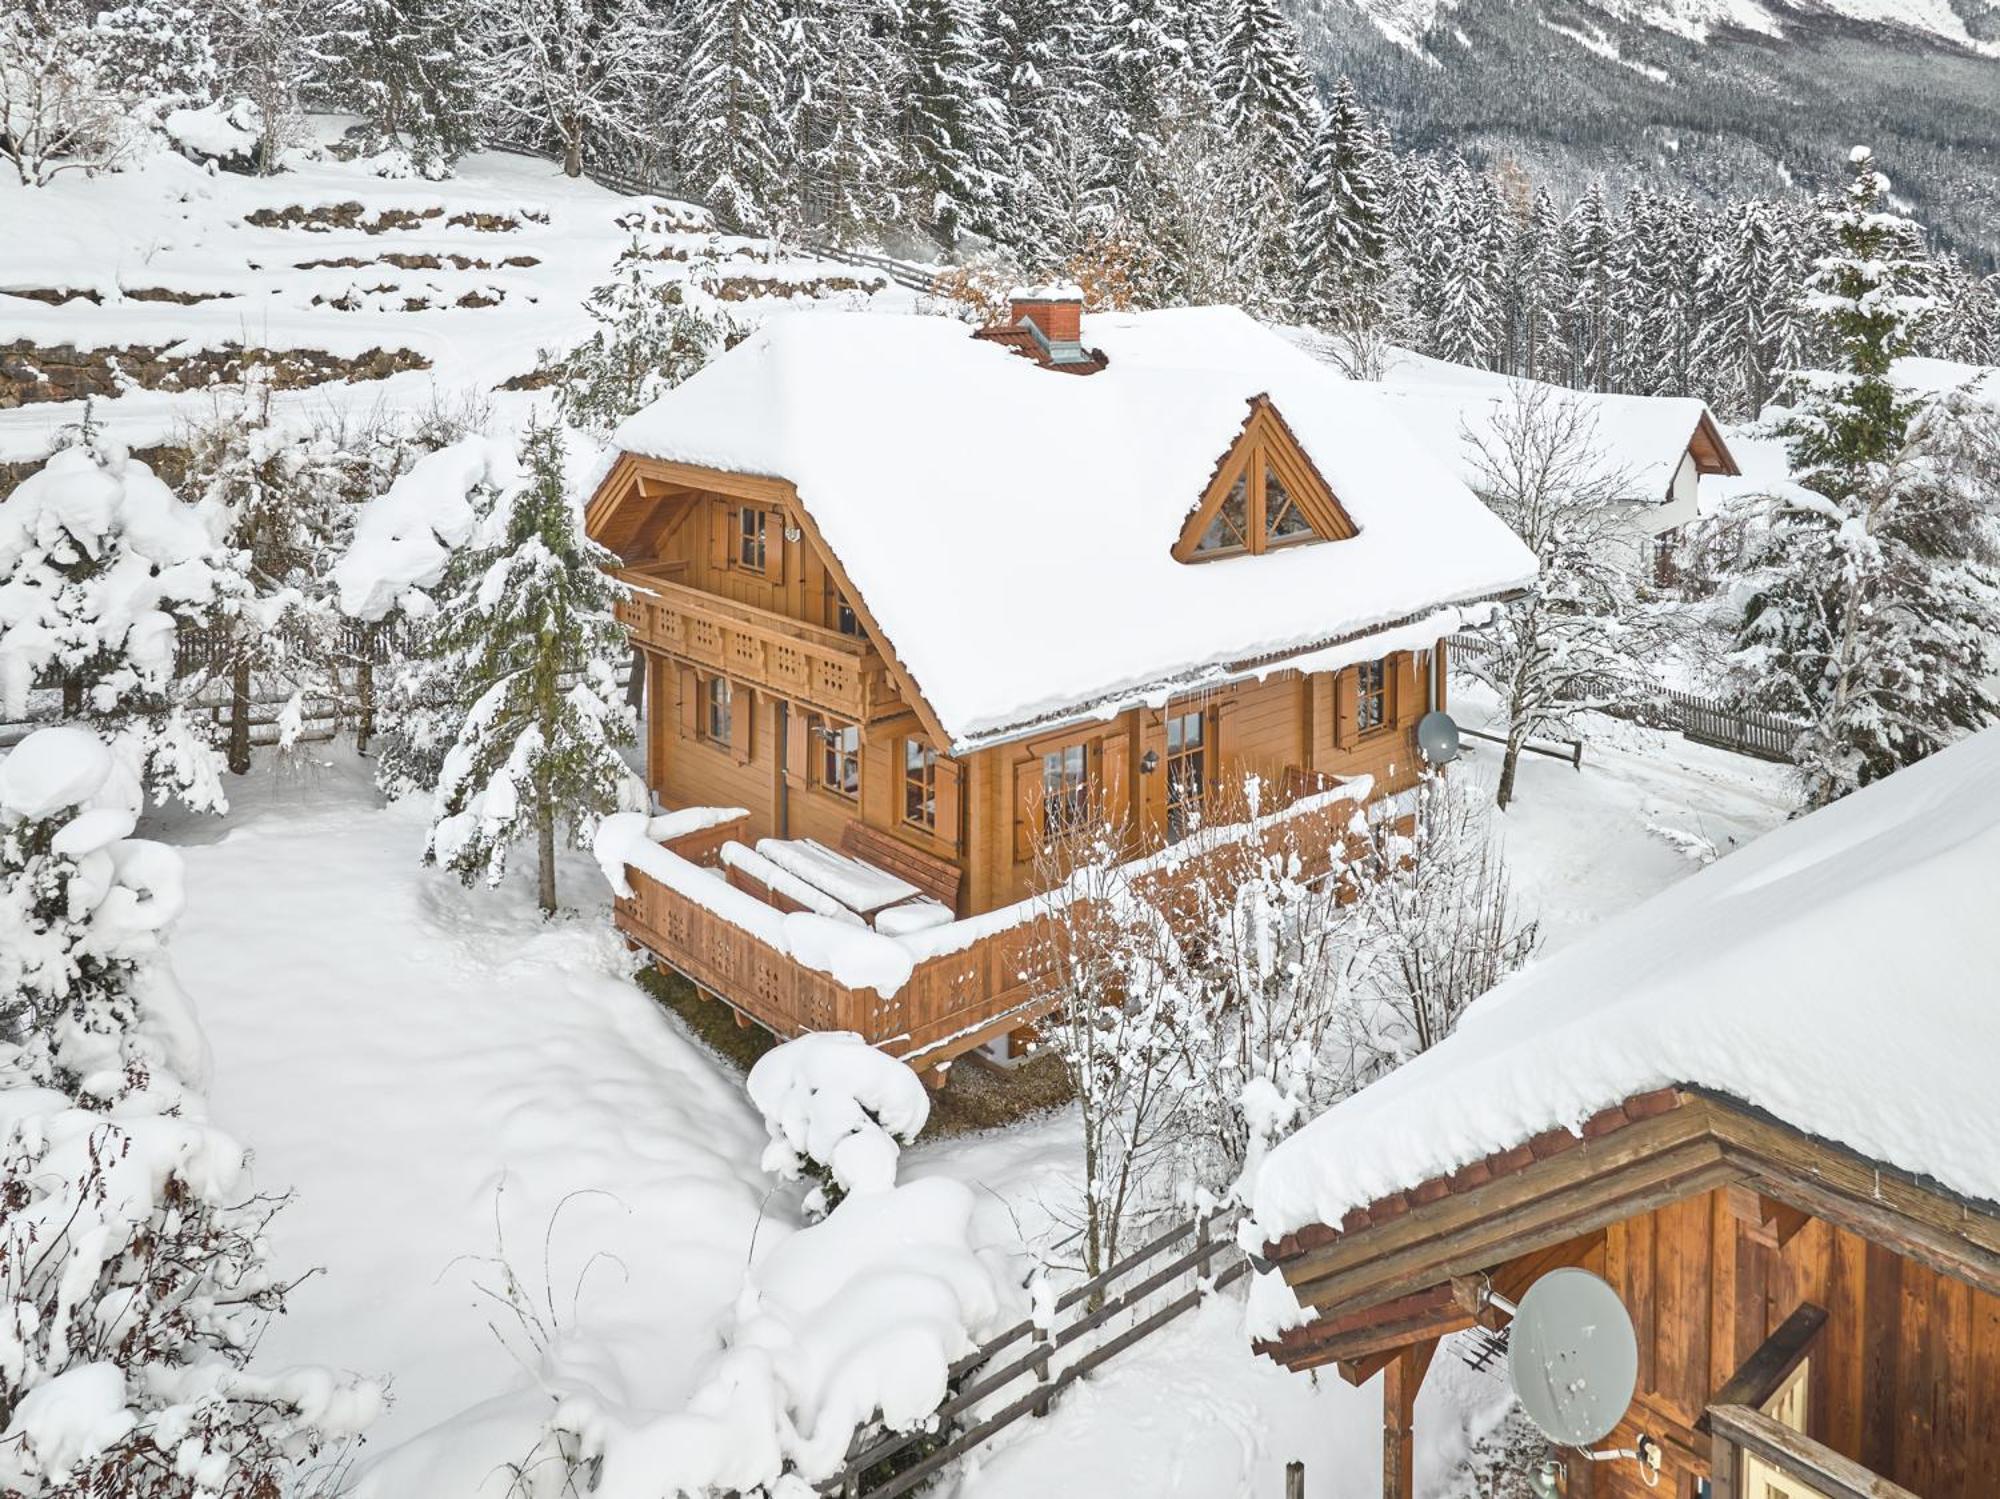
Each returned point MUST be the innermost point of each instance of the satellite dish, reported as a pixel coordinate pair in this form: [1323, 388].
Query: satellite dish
[1437, 737]
[1573, 1358]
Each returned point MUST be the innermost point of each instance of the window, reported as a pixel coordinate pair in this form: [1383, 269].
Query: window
[1065, 790]
[839, 760]
[919, 784]
[845, 619]
[1230, 530]
[1283, 521]
[718, 708]
[750, 524]
[1187, 772]
[1371, 697]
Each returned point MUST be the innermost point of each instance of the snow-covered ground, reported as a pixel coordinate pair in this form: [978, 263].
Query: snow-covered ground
[429, 1067]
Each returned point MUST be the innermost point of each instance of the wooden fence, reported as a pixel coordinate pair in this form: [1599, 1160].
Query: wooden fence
[1026, 1354]
[1705, 720]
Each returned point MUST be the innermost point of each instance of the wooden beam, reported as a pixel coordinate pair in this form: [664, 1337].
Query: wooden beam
[1399, 1406]
[1794, 1453]
[764, 488]
[1764, 1373]
[1359, 1371]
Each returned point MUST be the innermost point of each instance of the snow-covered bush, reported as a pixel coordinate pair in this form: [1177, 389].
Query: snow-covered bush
[648, 339]
[101, 567]
[133, 1270]
[61, 106]
[838, 1111]
[526, 637]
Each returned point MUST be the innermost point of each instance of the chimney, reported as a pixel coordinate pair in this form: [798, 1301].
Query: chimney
[1045, 324]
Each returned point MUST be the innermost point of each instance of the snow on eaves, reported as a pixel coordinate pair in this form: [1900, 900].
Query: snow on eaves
[1837, 974]
[1010, 528]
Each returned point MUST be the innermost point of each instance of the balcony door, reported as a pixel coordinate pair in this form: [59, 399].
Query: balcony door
[1787, 1408]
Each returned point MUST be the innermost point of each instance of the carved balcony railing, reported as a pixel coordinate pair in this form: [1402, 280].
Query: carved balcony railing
[840, 674]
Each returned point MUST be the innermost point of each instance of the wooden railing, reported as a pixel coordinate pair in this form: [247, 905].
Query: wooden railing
[805, 663]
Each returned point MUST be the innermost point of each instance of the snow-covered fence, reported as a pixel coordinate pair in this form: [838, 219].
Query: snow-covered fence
[995, 1367]
[1706, 720]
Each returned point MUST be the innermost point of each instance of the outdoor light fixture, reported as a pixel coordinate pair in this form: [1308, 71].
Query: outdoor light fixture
[1149, 762]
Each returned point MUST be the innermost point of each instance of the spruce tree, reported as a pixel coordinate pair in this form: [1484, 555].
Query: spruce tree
[946, 124]
[1343, 230]
[1544, 292]
[648, 339]
[529, 637]
[839, 120]
[1264, 93]
[731, 140]
[1050, 190]
[407, 67]
[1875, 612]
[1593, 245]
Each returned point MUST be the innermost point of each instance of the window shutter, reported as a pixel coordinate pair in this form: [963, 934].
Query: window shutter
[690, 703]
[1113, 754]
[775, 546]
[1346, 694]
[1027, 809]
[799, 742]
[1440, 678]
[1225, 776]
[1407, 703]
[947, 801]
[721, 535]
[742, 718]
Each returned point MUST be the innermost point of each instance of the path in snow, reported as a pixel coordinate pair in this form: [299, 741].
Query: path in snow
[396, 1048]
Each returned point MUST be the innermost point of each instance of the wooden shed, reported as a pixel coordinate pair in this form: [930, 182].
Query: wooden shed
[1771, 1130]
[913, 599]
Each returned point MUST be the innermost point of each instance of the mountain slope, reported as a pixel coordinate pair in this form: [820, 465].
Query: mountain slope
[1717, 96]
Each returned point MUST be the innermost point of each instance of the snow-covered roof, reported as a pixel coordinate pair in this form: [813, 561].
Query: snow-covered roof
[1010, 528]
[1643, 436]
[1838, 974]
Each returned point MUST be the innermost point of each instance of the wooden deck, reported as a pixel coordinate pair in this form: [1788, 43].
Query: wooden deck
[840, 674]
[952, 1002]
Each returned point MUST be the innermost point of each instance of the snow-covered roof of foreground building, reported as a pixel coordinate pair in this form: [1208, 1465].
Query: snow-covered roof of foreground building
[1011, 528]
[1838, 974]
[1646, 437]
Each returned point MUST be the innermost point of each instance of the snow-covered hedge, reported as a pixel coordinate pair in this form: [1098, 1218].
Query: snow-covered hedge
[837, 1110]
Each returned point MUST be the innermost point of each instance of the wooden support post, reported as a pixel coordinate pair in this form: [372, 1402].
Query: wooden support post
[1399, 1403]
[1295, 1480]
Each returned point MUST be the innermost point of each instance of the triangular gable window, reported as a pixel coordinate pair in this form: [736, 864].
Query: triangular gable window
[1266, 494]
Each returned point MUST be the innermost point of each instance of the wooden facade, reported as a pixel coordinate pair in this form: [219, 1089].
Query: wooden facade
[770, 688]
[1810, 1325]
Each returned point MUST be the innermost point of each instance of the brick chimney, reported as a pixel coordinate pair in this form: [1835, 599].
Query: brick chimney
[1045, 324]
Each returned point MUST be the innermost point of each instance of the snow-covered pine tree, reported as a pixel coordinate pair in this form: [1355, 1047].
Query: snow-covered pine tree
[529, 638]
[571, 71]
[1875, 614]
[732, 147]
[1543, 291]
[648, 339]
[406, 67]
[101, 569]
[840, 120]
[1343, 220]
[1050, 187]
[1593, 245]
[947, 123]
[1471, 315]
[161, 53]
[1149, 74]
[134, 1259]
[1267, 106]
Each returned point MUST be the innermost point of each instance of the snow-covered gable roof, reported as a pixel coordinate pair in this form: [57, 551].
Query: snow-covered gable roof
[1646, 437]
[1837, 974]
[1010, 528]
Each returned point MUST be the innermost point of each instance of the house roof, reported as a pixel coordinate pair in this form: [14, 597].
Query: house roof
[1836, 975]
[1011, 529]
[1645, 436]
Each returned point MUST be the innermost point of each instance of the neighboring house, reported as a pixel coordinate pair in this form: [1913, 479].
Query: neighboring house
[1775, 1133]
[1663, 445]
[913, 599]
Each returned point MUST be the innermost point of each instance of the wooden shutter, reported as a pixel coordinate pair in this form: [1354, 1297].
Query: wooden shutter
[1113, 754]
[775, 546]
[1346, 696]
[1027, 809]
[742, 722]
[1439, 676]
[948, 798]
[1225, 776]
[722, 525]
[690, 703]
[799, 741]
[1407, 702]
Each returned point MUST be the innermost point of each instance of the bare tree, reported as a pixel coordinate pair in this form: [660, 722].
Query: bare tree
[1573, 642]
[574, 69]
[61, 108]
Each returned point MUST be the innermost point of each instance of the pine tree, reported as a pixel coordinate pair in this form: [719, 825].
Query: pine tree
[1150, 75]
[161, 53]
[1051, 186]
[946, 122]
[1593, 246]
[1265, 97]
[648, 339]
[839, 120]
[732, 144]
[1875, 614]
[1543, 291]
[1343, 229]
[529, 637]
[407, 68]
[1471, 323]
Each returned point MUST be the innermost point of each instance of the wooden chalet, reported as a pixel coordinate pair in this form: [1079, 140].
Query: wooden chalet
[913, 599]
[1761, 1107]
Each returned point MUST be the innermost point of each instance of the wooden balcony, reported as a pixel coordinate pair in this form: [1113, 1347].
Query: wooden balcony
[841, 674]
[963, 990]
